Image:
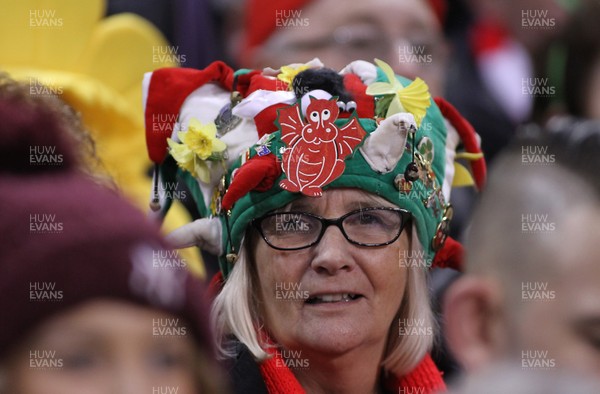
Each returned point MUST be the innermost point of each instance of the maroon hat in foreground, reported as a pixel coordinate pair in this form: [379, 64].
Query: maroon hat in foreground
[66, 240]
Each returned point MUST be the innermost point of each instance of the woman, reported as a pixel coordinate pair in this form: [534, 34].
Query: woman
[325, 226]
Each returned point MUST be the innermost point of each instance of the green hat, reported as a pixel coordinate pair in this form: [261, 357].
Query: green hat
[316, 129]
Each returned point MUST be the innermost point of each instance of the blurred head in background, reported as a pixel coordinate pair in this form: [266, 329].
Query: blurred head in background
[407, 34]
[91, 297]
[530, 296]
[582, 68]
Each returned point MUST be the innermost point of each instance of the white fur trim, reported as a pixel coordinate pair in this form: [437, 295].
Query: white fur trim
[261, 99]
[452, 140]
[314, 63]
[162, 287]
[205, 233]
[366, 71]
[203, 104]
[145, 87]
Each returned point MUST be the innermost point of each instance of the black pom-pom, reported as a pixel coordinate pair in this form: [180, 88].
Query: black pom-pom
[321, 78]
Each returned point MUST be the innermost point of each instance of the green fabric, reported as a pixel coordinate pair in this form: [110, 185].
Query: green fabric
[357, 174]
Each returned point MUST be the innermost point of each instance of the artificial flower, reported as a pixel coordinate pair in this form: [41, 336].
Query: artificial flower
[288, 73]
[414, 98]
[198, 144]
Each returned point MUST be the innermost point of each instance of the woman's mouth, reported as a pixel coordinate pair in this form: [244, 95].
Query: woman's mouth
[327, 298]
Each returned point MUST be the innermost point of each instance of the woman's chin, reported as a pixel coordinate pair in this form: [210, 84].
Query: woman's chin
[332, 336]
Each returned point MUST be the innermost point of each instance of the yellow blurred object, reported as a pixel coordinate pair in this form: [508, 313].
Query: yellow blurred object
[414, 98]
[462, 176]
[96, 65]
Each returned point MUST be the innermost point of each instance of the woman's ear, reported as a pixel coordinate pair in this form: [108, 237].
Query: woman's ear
[474, 328]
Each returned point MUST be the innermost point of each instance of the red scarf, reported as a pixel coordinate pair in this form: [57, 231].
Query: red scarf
[425, 378]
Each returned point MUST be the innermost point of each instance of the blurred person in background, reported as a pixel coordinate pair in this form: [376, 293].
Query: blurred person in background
[92, 298]
[496, 60]
[407, 34]
[503, 379]
[581, 79]
[532, 284]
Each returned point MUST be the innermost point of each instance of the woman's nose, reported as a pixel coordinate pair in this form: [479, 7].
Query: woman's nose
[332, 253]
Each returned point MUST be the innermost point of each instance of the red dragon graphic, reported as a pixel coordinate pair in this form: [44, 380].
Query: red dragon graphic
[316, 150]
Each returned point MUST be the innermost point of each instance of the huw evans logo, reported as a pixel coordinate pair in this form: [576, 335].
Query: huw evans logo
[536, 155]
[167, 259]
[411, 390]
[291, 359]
[45, 18]
[44, 88]
[290, 291]
[165, 390]
[167, 327]
[537, 19]
[536, 359]
[537, 87]
[44, 359]
[414, 327]
[44, 291]
[290, 19]
[415, 54]
[44, 155]
[290, 223]
[536, 223]
[167, 54]
[414, 259]
[536, 291]
[44, 223]
[162, 123]
[171, 190]
[295, 86]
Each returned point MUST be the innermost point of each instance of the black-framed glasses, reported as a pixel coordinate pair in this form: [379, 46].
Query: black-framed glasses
[371, 227]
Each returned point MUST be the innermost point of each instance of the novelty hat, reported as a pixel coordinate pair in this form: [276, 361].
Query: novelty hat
[250, 141]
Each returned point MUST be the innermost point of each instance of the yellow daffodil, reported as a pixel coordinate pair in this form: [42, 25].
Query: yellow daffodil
[198, 144]
[288, 73]
[414, 98]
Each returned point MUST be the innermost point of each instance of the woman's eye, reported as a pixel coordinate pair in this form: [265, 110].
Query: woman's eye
[292, 224]
[363, 219]
[164, 359]
[369, 219]
[380, 219]
[80, 361]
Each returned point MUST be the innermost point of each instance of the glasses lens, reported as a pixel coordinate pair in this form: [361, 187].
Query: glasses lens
[373, 226]
[289, 230]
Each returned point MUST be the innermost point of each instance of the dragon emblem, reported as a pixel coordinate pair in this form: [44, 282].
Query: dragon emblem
[316, 148]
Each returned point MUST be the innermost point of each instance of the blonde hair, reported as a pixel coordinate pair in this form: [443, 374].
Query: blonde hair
[235, 312]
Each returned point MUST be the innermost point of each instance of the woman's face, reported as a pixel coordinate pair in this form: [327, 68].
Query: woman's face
[403, 33]
[106, 347]
[290, 280]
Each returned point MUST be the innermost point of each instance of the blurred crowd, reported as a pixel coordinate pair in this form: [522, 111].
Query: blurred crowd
[94, 298]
